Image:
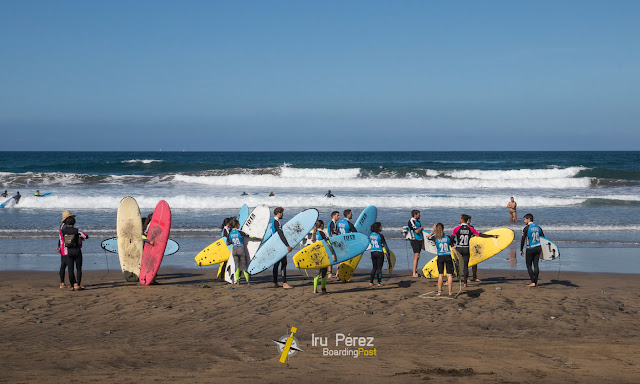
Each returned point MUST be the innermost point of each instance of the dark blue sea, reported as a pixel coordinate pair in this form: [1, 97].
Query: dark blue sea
[588, 202]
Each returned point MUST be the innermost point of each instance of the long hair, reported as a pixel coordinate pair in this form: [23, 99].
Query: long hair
[439, 230]
[376, 227]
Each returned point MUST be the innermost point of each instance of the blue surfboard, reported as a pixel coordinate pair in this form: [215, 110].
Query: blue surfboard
[272, 250]
[366, 220]
[111, 245]
[243, 215]
[43, 194]
[8, 201]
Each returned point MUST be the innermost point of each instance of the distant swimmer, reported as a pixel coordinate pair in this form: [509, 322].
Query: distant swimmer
[329, 194]
[512, 210]
[17, 197]
[37, 193]
[272, 194]
[531, 235]
[5, 194]
[244, 193]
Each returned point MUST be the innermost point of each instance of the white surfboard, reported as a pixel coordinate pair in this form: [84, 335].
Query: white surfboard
[550, 251]
[130, 244]
[429, 245]
[255, 226]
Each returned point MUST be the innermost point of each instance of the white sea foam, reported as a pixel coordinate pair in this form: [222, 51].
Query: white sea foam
[512, 174]
[302, 201]
[412, 181]
[143, 161]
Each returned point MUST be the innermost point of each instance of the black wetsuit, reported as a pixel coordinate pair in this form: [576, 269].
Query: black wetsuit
[532, 257]
[74, 256]
[377, 260]
[282, 262]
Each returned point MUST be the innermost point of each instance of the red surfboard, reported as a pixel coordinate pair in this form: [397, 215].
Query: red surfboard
[158, 234]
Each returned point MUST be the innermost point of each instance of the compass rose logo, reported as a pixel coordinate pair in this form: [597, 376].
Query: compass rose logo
[288, 345]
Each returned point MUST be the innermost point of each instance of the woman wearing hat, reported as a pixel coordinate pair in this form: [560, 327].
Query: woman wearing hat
[70, 243]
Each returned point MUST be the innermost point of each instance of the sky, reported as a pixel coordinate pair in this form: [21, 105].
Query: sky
[319, 75]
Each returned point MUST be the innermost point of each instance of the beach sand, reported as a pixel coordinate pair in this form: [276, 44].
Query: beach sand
[583, 328]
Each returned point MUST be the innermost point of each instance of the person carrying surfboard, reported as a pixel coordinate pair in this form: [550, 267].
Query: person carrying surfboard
[70, 244]
[531, 235]
[416, 239]
[317, 235]
[443, 245]
[275, 227]
[239, 252]
[378, 249]
[462, 234]
[333, 231]
[345, 226]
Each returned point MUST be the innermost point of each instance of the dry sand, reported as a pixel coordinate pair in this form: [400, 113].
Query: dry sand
[191, 328]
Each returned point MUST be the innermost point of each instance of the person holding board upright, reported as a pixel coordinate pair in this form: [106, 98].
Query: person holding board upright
[461, 235]
[531, 235]
[276, 227]
[416, 238]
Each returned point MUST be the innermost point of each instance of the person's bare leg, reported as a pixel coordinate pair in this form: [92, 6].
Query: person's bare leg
[450, 281]
[416, 257]
[439, 284]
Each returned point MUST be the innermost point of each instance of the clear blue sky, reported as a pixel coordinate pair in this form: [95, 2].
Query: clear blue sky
[319, 75]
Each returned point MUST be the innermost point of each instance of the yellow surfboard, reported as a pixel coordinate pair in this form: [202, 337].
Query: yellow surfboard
[430, 270]
[480, 248]
[391, 261]
[347, 268]
[313, 256]
[215, 253]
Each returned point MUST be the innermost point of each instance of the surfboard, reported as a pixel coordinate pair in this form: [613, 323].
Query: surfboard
[255, 225]
[363, 225]
[480, 248]
[272, 250]
[244, 213]
[111, 245]
[550, 250]
[429, 245]
[129, 242]
[219, 251]
[8, 201]
[430, 270]
[391, 261]
[158, 234]
[318, 255]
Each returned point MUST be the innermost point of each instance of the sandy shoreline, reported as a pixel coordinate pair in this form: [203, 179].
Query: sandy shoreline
[192, 328]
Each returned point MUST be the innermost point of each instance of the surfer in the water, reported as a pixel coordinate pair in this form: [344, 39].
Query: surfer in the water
[277, 228]
[239, 252]
[512, 205]
[416, 239]
[17, 197]
[443, 244]
[462, 234]
[318, 234]
[378, 249]
[5, 194]
[531, 235]
[329, 194]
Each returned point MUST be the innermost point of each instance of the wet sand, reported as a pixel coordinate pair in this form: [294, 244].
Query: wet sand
[582, 328]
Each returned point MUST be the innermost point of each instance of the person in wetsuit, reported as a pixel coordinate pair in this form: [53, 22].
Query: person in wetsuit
[345, 225]
[329, 194]
[276, 227]
[462, 234]
[378, 249]
[319, 234]
[531, 235]
[416, 239]
[239, 252]
[443, 245]
[70, 243]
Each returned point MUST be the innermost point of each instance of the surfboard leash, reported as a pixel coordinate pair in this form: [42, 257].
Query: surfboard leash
[106, 258]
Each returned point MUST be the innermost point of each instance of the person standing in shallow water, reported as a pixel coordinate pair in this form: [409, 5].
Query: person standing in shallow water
[70, 243]
[512, 205]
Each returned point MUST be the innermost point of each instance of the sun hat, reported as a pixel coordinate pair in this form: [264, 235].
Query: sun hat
[66, 214]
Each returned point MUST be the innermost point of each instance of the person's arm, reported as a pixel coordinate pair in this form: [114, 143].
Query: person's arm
[384, 243]
[250, 238]
[278, 229]
[413, 227]
[476, 233]
[352, 227]
[541, 233]
[524, 238]
[326, 238]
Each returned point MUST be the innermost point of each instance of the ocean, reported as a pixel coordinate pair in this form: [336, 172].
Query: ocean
[584, 201]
